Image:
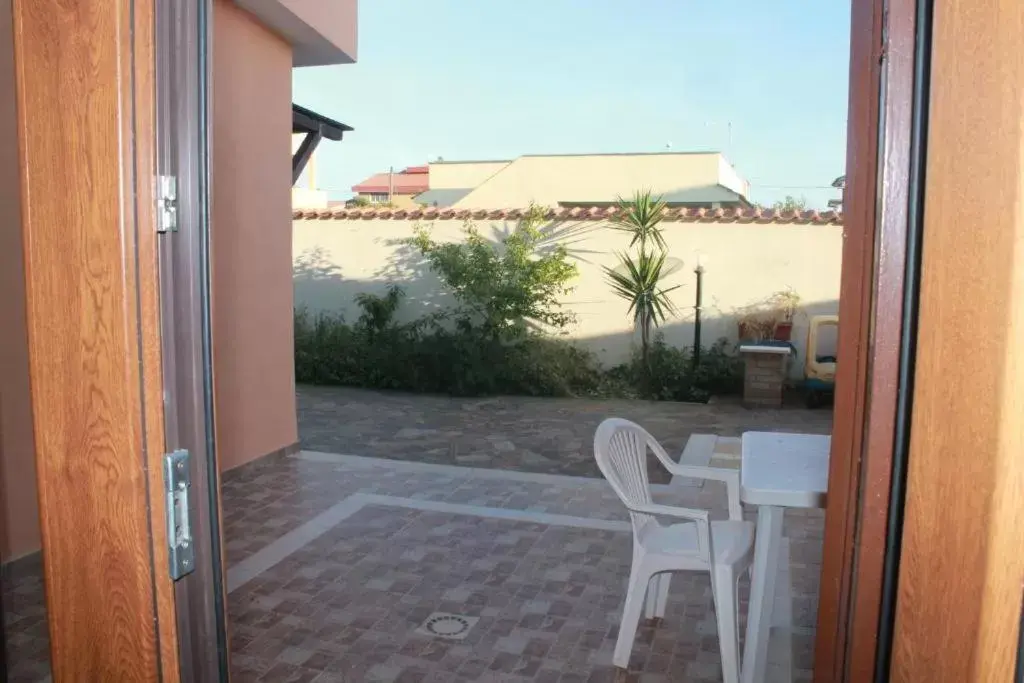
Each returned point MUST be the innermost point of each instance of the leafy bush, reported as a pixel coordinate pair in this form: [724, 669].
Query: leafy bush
[425, 357]
[505, 291]
[503, 288]
[431, 359]
[669, 374]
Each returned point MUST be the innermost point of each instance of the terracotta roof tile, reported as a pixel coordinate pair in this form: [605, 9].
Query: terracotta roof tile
[681, 215]
[413, 180]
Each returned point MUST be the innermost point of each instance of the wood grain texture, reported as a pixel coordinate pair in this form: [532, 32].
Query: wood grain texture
[962, 565]
[854, 344]
[867, 568]
[91, 336]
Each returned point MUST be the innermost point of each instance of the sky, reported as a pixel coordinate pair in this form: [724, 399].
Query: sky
[764, 81]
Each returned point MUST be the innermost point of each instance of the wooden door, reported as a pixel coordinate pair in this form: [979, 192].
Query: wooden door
[961, 567]
[87, 76]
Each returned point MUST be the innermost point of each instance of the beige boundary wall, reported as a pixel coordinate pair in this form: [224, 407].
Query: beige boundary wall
[340, 254]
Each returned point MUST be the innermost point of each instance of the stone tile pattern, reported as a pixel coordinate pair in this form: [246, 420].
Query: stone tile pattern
[525, 434]
[345, 607]
[268, 498]
[24, 622]
[549, 597]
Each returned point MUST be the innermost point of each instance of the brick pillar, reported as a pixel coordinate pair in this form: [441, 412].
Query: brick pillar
[764, 376]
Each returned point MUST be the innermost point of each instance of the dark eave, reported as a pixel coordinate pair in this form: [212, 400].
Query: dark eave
[315, 127]
[308, 121]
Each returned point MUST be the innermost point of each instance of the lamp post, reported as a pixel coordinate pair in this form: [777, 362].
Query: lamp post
[697, 305]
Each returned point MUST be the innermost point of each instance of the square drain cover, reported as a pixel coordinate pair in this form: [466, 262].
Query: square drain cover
[447, 626]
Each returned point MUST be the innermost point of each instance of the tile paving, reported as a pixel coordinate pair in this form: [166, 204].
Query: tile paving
[24, 622]
[551, 435]
[345, 603]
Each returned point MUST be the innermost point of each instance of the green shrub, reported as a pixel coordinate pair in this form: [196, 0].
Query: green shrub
[503, 287]
[672, 376]
[492, 343]
[427, 357]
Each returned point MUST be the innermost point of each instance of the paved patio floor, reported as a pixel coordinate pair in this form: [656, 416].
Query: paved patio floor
[337, 562]
[549, 435]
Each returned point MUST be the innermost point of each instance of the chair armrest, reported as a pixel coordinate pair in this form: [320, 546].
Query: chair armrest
[731, 478]
[700, 517]
[671, 511]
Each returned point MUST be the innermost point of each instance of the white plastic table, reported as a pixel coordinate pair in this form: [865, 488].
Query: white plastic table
[777, 471]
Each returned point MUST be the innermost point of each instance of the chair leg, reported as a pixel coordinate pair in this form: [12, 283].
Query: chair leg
[723, 587]
[635, 597]
[662, 595]
[651, 601]
[657, 596]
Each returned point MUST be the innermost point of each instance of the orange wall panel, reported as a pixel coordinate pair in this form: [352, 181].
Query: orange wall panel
[253, 342]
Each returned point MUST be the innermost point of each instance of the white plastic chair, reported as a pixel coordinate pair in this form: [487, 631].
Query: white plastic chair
[722, 548]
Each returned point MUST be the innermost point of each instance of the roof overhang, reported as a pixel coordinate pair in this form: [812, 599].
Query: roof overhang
[321, 32]
[315, 127]
[308, 121]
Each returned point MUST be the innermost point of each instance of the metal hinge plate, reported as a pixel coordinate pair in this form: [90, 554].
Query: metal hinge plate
[177, 485]
[167, 204]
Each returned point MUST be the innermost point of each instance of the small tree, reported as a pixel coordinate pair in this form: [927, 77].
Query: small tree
[791, 203]
[637, 279]
[503, 286]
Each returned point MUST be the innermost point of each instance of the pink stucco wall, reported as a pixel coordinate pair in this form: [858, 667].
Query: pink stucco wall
[335, 20]
[19, 513]
[252, 267]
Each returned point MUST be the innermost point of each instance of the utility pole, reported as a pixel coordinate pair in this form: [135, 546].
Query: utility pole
[391, 184]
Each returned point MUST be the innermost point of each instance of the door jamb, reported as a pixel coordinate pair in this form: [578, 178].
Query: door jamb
[872, 297]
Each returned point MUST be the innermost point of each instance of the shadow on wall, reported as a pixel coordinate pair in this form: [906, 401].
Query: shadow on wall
[348, 258]
[318, 278]
[611, 349]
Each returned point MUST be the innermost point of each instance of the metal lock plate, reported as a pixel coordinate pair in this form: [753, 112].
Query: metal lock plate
[178, 483]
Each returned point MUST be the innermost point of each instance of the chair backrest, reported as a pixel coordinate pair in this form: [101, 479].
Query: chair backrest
[620, 447]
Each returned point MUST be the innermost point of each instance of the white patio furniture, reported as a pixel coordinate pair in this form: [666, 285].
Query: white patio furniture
[777, 471]
[693, 543]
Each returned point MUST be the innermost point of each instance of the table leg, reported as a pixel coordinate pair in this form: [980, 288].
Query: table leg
[762, 593]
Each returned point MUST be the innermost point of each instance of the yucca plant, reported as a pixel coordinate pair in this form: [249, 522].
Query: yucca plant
[640, 217]
[638, 281]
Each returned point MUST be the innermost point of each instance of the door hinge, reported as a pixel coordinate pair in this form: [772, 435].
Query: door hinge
[167, 204]
[177, 482]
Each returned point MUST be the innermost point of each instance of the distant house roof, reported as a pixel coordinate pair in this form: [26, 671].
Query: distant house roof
[683, 178]
[412, 180]
[709, 194]
[443, 197]
[694, 197]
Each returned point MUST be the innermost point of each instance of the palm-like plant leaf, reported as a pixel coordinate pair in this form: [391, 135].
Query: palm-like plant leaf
[638, 281]
[640, 217]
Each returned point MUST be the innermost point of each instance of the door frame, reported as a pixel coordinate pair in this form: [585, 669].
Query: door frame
[182, 132]
[86, 105]
[873, 293]
[122, 88]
